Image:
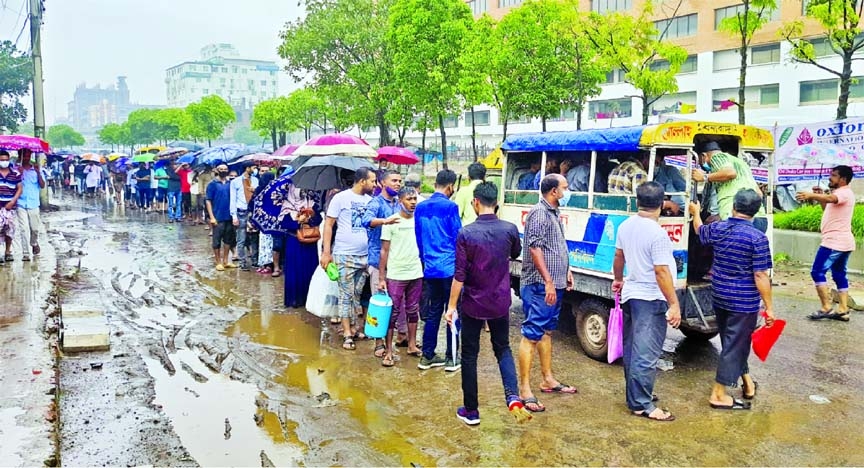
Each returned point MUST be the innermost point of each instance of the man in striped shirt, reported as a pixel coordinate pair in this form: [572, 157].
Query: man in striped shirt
[10, 191]
[742, 260]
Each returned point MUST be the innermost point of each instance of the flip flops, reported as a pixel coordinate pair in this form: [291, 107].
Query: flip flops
[822, 315]
[380, 351]
[560, 388]
[755, 390]
[533, 405]
[737, 405]
[647, 415]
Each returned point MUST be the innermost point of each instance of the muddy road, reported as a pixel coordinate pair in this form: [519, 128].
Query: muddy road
[209, 368]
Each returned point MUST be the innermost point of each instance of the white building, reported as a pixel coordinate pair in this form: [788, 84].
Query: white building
[220, 71]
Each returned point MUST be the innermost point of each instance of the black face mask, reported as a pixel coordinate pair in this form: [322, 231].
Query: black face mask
[222, 174]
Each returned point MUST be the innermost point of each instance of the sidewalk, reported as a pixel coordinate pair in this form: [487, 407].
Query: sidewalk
[27, 373]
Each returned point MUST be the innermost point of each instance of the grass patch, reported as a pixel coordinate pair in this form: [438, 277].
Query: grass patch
[781, 258]
[809, 219]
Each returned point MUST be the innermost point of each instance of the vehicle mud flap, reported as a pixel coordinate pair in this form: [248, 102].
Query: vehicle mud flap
[698, 307]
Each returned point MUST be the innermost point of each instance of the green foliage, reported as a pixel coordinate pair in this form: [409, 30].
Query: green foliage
[247, 136]
[840, 21]
[340, 43]
[143, 127]
[808, 218]
[209, 117]
[633, 44]
[64, 136]
[111, 134]
[171, 124]
[781, 258]
[16, 75]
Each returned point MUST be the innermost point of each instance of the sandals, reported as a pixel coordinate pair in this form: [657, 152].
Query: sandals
[737, 405]
[560, 388]
[744, 394]
[276, 273]
[415, 353]
[388, 362]
[821, 315]
[380, 351]
[348, 344]
[533, 405]
[335, 320]
[8, 257]
[669, 416]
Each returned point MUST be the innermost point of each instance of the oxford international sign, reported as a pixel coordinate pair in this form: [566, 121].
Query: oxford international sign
[807, 152]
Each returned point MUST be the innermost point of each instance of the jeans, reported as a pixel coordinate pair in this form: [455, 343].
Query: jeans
[252, 247]
[644, 333]
[186, 204]
[174, 206]
[736, 332]
[240, 235]
[499, 335]
[143, 197]
[834, 260]
[439, 296]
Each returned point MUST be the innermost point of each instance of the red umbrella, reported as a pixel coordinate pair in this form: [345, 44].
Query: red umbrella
[286, 150]
[397, 155]
[19, 142]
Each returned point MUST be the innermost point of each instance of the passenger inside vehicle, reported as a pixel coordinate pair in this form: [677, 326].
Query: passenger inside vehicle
[627, 177]
[673, 183]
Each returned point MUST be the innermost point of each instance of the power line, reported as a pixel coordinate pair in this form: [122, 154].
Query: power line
[23, 27]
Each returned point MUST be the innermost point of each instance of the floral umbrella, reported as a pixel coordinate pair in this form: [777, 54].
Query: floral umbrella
[336, 144]
[93, 157]
[19, 142]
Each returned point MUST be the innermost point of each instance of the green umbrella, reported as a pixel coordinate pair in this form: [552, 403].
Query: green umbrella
[143, 158]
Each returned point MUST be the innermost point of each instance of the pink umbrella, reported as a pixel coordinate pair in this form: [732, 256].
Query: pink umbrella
[397, 155]
[286, 150]
[338, 144]
[19, 142]
[257, 157]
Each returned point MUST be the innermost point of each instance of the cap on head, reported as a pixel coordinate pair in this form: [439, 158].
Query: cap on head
[710, 146]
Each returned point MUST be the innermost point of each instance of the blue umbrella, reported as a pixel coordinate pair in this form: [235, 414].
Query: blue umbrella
[160, 164]
[186, 159]
[186, 144]
[222, 154]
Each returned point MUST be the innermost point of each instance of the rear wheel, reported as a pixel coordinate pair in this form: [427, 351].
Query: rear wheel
[697, 335]
[592, 317]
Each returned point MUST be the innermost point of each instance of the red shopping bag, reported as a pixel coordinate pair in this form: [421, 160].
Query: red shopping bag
[615, 332]
[764, 338]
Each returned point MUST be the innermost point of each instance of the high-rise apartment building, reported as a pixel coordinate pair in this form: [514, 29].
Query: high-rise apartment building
[222, 71]
[778, 89]
[93, 107]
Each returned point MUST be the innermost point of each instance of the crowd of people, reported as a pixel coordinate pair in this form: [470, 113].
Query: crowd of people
[448, 257]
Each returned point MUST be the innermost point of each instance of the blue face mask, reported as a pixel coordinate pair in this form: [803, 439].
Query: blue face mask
[706, 166]
[565, 199]
[391, 192]
[406, 210]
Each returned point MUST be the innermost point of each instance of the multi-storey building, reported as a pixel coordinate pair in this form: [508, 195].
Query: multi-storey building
[778, 89]
[93, 107]
[221, 71]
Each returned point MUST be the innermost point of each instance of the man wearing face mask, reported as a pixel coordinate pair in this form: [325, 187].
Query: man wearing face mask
[219, 211]
[728, 175]
[28, 205]
[242, 189]
[545, 276]
[10, 191]
[379, 212]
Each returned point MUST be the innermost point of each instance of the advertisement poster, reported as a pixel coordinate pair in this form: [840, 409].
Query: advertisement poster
[806, 151]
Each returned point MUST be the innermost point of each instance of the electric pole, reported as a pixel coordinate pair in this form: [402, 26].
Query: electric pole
[36, 46]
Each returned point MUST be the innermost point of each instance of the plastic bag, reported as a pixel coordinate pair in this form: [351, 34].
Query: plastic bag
[323, 298]
[764, 338]
[615, 332]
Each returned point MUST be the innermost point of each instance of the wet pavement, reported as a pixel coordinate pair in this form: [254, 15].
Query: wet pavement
[209, 368]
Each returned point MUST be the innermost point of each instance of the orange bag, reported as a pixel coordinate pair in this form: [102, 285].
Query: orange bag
[764, 338]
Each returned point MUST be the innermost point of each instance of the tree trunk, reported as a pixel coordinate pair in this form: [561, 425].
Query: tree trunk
[383, 129]
[742, 76]
[505, 130]
[845, 83]
[579, 115]
[644, 109]
[443, 140]
[273, 137]
[423, 148]
[543, 123]
[283, 138]
[473, 134]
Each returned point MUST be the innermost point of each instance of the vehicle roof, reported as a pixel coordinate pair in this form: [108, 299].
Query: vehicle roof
[634, 138]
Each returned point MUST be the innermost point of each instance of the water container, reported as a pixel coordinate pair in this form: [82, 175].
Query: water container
[378, 315]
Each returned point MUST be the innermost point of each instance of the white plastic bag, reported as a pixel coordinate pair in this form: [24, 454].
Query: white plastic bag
[323, 298]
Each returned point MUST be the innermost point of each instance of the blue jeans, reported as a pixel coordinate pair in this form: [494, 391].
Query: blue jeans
[174, 206]
[499, 335]
[644, 333]
[439, 296]
[240, 233]
[834, 260]
[143, 197]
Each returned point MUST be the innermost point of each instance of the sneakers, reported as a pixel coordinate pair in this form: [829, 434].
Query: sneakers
[230, 265]
[220, 267]
[25, 258]
[436, 361]
[469, 417]
[450, 366]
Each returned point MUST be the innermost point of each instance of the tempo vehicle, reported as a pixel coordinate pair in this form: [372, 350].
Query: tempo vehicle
[591, 218]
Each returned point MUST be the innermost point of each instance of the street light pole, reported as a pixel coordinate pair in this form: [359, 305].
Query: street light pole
[36, 45]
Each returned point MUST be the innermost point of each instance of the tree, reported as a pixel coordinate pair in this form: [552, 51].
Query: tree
[62, 136]
[474, 82]
[170, 124]
[269, 118]
[840, 22]
[209, 117]
[341, 43]
[247, 136]
[583, 61]
[143, 128]
[427, 39]
[16, 75]
[111, 134]
[750, 17]
[633, 45]
[303, 111]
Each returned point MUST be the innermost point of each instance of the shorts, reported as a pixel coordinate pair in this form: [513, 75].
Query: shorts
[161, 194]
[539, 316]
[223, 233]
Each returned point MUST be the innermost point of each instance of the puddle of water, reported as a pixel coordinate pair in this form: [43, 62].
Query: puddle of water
[322, 369]
[13, 436]
[198, 416]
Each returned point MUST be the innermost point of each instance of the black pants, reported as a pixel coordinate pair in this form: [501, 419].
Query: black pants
[186, 204]
[499, 335]
[736, 333]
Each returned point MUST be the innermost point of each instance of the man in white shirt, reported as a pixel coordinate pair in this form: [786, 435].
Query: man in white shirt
[242, 189]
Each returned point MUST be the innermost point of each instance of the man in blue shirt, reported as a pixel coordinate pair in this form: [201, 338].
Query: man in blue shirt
[242, 189]
[437, 225]
[742, 260]
[378, 213]
[526, 180]
[28, 205]
[219, 210]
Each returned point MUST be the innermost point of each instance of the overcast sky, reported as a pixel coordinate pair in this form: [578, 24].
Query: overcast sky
[94, 41]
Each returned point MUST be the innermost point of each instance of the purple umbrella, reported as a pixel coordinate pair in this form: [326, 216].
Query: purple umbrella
[336, 144]
[286, 150]
[19, 142]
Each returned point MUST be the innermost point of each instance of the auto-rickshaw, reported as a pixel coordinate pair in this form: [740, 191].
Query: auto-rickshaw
[592, 216]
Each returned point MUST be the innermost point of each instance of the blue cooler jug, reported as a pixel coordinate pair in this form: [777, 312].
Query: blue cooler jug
[378, 315]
